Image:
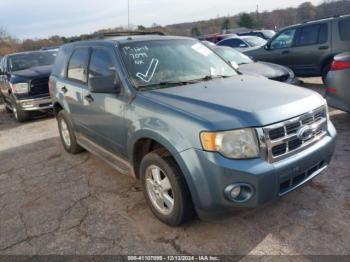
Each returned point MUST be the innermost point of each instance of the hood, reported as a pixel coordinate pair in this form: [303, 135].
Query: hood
[33, 72]
[237, 102]
[265, 69]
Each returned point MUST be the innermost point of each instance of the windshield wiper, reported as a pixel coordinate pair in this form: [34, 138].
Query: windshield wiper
[163, 83]
[178, 83]
[208, 78]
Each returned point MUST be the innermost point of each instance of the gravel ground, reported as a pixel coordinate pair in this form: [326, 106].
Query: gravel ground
[55, 203]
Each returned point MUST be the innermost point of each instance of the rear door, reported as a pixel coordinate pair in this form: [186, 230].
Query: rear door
[312, 46]
[73, 85]
[105, 112]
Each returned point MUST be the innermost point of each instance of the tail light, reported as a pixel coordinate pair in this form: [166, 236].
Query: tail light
[340, 65]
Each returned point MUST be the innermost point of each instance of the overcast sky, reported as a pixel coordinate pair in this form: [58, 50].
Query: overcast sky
[43, 18]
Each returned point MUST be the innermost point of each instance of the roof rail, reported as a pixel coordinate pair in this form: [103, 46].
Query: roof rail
[323, 18]
[130, 33]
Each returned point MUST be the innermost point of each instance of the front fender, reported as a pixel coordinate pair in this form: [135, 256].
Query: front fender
[159, 131]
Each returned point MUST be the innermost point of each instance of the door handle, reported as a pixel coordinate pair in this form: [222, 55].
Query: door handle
[64, 89]
[89, 98]
[285, 52]
[323, 47]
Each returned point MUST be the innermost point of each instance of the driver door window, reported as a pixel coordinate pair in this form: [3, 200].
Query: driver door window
[102, 67]
[284, 40]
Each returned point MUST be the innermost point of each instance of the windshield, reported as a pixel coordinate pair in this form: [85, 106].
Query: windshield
[232, 55]
[255, 41]
[155, 62]
[28, 60]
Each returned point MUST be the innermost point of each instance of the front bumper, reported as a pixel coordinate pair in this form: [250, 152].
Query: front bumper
[208, 174]
[42, 103]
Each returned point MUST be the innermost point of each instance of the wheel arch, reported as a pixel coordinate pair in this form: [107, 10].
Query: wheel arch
[57, 107]
[145, 143]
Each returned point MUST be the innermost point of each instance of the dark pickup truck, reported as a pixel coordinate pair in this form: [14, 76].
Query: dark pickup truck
[24, 82]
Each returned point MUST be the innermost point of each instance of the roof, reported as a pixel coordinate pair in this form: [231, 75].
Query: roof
[326, 19]
[130, 39]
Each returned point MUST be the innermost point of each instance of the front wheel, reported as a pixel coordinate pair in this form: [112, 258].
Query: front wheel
[165, 189]
[19, 114]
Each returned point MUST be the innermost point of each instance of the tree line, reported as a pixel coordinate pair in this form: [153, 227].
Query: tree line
[275, 19]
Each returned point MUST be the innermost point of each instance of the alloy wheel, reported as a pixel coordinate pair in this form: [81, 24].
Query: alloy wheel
[65, 132]
[159, 190]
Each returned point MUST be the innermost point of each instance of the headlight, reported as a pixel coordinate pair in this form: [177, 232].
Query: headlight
[20, 88]
[236, 144]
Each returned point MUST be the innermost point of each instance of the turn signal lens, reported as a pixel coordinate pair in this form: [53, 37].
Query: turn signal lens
[208, 141]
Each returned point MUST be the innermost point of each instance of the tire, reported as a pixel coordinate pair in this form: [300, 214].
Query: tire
[67, 135]
[325, 71]
[7, 108]
[182, 209]
[20, 115]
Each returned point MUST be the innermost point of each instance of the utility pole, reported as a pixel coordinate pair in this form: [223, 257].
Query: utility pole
[257, 15]
[128, 14]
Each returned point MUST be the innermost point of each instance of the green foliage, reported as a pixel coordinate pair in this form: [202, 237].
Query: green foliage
[226, 24]
[246, 20]
[195, 32]
[141, 28]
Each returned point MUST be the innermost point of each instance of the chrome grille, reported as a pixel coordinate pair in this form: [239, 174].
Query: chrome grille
[39, 86]
[281, 140]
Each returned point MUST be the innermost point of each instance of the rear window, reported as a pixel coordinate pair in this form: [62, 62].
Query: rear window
[344, 29]
[233, 43]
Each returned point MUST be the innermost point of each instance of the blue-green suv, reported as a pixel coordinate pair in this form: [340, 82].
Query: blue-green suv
[201, 138]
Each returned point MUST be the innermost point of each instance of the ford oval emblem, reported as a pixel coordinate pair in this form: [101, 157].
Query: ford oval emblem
[305, 133]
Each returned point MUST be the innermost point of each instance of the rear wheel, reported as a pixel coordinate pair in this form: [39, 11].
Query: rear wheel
[165, 189]
[67, 134]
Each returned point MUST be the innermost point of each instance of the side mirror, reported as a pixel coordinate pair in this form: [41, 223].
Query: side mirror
[267, 47]
[243, 45]
[234, 65]
[104, 84]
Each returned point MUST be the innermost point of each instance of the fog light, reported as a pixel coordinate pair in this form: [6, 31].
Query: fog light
[235, 192]
[239, 192]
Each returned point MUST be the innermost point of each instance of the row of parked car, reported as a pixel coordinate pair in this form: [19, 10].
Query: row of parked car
[202, 137]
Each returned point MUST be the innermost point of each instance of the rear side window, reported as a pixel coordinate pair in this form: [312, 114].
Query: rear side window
[311, 35]
[77, 65]
[233, 43]
[102, 66]
[344, 29]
